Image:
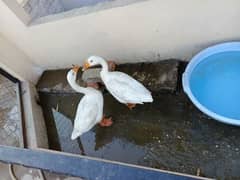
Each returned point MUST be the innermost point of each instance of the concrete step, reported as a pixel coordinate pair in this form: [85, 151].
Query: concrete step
[156, 76]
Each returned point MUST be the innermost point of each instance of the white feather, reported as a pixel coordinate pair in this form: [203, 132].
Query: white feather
[89, 113]
[126, 89]
[90, 108]
[122, 86]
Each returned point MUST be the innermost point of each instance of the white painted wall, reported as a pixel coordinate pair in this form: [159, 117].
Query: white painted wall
[137, 32]
[20, 1]
[16, 62]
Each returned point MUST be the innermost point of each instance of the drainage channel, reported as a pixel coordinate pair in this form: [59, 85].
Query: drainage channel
[169, 134]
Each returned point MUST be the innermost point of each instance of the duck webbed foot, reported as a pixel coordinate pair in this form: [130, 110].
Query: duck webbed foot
[130, 106]
[106, 122]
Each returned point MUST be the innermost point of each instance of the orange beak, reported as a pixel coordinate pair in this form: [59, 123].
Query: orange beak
[86, 65]
[75, 68]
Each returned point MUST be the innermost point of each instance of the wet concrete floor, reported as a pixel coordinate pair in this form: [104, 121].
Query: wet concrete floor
[168, 134]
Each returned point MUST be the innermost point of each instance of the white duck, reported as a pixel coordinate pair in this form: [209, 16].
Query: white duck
[90, 108]
[123, 87]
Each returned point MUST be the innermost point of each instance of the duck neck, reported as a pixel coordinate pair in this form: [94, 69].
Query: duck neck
[78, 88]
[104, 65]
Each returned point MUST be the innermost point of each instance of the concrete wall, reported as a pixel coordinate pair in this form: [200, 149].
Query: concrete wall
[20, 1]
[16, 62]
[141, 31]
[18, 10]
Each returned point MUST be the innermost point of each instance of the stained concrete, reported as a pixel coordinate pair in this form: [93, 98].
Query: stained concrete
[168, 134]
[157, 76]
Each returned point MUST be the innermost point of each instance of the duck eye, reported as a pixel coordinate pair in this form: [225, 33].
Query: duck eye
[91, 61]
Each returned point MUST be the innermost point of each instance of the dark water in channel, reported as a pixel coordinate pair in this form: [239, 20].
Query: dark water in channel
[168, 134]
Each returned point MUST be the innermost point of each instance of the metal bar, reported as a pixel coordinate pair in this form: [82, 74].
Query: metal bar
[22, 124]
[84, 167]
[9, 76]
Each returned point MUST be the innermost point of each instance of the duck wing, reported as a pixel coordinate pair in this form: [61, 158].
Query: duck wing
[86, 116]
[126, 89]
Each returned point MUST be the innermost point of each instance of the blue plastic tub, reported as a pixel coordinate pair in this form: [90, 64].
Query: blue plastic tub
[212, 82]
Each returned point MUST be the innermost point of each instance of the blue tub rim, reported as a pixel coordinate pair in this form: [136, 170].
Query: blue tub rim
[219, 48]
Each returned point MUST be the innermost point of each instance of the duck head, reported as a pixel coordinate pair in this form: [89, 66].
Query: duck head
[92, 61]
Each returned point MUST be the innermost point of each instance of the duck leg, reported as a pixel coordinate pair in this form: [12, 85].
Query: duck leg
[111, 65]
[81, 146]
[106, 122]
[130, 106]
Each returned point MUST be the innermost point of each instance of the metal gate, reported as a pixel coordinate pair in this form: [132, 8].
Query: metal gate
[10, 111]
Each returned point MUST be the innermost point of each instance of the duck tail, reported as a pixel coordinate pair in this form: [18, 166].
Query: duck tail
[76, 133]
[148, 98]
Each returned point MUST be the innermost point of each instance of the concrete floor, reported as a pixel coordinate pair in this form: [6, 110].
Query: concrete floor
[168, 134]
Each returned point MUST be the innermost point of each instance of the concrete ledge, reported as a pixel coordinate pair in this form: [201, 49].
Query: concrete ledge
[36, 134]
[86, 167]
[157, 76]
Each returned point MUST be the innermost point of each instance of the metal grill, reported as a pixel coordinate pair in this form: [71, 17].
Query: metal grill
[10, 113]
